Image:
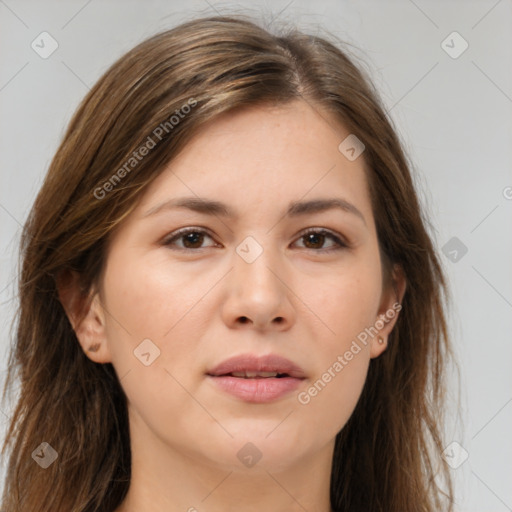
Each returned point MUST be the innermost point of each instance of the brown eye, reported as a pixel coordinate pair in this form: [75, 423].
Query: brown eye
[315, 239]
[192, 238]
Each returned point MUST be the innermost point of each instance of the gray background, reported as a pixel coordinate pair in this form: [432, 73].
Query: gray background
[453, 115]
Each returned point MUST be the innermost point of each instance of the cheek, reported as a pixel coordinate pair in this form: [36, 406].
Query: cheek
[153, 299]
[349, 304]
[148, 300]
[342, 359]
[331, 399]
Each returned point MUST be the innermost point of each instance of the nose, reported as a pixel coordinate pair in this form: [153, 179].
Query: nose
[258, 295]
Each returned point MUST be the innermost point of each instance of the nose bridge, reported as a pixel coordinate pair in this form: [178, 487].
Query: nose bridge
[257, 291]
[257, 263]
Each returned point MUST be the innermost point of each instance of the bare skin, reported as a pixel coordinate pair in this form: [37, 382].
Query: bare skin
[205, 304]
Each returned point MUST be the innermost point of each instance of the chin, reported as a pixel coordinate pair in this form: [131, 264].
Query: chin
[253, 449]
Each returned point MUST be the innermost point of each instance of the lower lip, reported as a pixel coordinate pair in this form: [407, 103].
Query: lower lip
[260, 390]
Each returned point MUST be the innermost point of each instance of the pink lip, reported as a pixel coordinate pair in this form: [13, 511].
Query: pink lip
[257, 389]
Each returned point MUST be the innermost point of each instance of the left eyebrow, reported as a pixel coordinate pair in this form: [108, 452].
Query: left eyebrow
[217, 208]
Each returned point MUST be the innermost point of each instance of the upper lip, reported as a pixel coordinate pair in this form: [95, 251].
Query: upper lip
[254, 363]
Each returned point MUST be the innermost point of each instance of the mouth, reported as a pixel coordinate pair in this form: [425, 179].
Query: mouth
[254, 375]
[257, 379]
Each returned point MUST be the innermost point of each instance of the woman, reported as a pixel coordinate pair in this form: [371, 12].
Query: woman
[228, 296]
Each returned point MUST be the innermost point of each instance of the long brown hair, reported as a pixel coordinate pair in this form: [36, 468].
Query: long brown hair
[388, 456]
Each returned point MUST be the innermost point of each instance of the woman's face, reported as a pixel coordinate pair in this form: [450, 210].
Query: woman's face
[173, 307]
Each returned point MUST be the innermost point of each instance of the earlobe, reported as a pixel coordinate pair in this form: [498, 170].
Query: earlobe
[91, 332]
[378, 346]
[86, 316]
[391, 305]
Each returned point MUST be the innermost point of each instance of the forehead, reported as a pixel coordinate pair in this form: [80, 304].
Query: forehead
[264, 156]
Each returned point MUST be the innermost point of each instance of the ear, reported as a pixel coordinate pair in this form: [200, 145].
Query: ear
[86, 316]
[389, 308]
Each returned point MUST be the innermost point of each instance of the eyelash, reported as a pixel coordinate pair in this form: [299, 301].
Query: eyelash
[185, 231]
